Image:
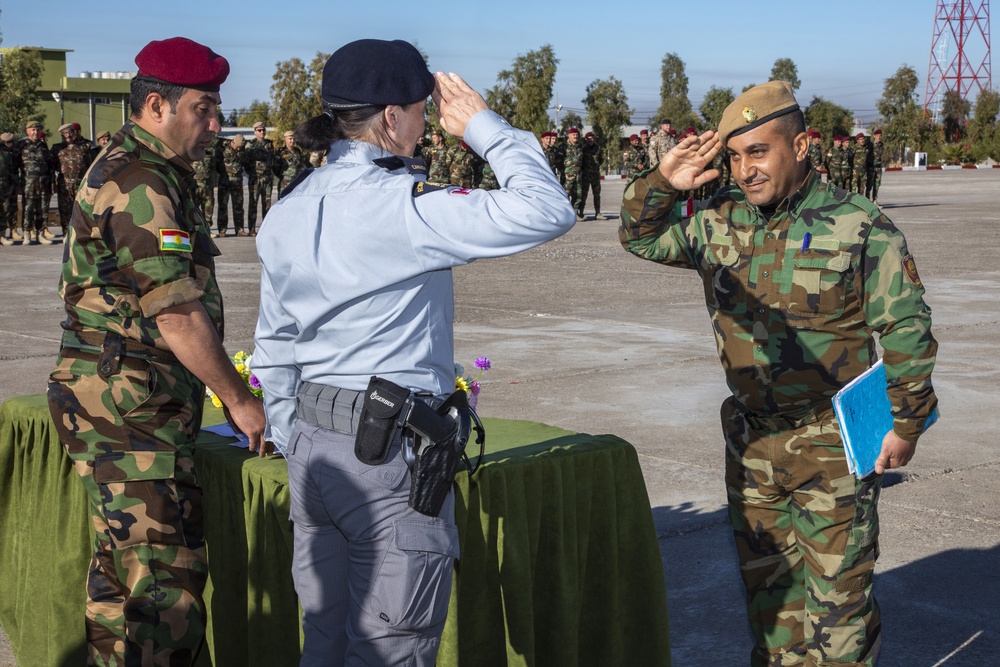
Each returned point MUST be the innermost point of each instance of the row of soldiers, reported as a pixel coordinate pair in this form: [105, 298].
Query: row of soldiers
[577, 164]
[850, 163]
[34, 171]
[265, 166]
[458, 165]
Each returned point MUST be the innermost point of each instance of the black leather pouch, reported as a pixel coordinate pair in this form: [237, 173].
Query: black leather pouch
[383, 403]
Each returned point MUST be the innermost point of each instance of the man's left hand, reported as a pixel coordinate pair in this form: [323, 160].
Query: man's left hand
[896, 453]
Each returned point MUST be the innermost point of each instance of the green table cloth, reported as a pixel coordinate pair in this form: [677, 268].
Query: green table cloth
[559, 564]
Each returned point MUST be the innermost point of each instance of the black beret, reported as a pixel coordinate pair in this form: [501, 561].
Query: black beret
[182, 62]
[375, 72]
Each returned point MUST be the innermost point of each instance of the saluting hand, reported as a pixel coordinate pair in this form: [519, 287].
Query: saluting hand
[685, 165]
[457, 103]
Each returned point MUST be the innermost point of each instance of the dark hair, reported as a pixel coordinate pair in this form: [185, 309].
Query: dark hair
[141, 88]
[317, 133]
[792, 124]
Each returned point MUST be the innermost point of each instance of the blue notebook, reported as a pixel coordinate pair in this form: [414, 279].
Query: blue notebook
[865, 416]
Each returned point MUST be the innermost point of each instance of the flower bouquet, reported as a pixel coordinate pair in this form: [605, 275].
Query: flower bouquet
[469, 384]
[241, 362]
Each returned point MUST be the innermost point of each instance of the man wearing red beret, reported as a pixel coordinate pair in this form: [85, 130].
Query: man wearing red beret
[816, 151]
[142, 339]
[633, 157]
[861, 164]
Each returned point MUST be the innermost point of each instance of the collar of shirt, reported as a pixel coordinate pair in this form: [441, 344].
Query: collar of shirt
[793, 204]
[158, 147]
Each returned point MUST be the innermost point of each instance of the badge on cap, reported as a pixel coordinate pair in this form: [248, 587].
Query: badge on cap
[910, 267]
[175, 240]
[749, 114]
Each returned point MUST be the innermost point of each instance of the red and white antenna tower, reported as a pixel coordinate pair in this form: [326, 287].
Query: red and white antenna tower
[961, 27]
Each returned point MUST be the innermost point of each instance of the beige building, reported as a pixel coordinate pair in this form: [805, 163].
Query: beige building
[98, 101]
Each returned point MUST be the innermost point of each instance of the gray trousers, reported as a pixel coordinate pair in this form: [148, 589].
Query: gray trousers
[372, 575]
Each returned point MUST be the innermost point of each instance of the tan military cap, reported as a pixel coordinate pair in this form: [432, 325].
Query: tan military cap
[6, 136]
[289, 133]
[64, 127]
[238, 140]
[32, 124]
[755, 107]
[259, 123]
[103, 134]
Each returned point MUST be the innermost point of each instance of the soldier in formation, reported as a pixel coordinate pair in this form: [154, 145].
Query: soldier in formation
[8, 190]
[206, 178]
[816, 156]
[661, 144]
[230, 168]
[260, 175]
[835, 163]
[877, 163]
[861, 164]
[437, 159]
[591, 175]
[462, 167]
[573, 165]
[290, 161]
[634, 158]
[70, 159]
[33, 163]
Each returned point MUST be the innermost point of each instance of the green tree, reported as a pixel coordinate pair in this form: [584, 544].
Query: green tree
[829, 118]
[291, 96]
[20, 77]
[257, 112]
[571, 119]
[715, 102]
[955, 115]
[784, 69]
[902, 120]
[983, 127]
[674, 102]
[608, 112]
[523, 92]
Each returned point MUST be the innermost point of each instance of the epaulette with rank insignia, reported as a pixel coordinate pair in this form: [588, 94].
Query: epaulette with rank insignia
[424, 187]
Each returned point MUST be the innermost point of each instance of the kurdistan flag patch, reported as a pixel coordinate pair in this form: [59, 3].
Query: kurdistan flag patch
[175, 239]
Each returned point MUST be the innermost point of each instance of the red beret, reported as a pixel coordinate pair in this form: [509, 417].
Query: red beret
[673, 132]
[859, 135]
[573, 130]
[691, 130]
[878, 132]
[634, 136]
[588, 135]
[182, 62]
[641, 132]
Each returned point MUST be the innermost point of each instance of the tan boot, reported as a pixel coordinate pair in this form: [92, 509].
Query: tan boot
[47, 234]
[15, 234]
[42, 238]
[5, 241]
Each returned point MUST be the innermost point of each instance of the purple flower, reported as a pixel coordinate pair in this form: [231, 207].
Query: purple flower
[474, 387]
[483, 363]
[473, 401]
[254, 382]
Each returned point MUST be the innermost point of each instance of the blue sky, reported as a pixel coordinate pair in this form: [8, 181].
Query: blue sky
[844, 50]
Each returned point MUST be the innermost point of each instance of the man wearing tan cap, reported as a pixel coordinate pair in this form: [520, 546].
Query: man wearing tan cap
[260, 175]
[70, 159]
[141, 340]
[797, 277]
[289, 162]
[34, 170]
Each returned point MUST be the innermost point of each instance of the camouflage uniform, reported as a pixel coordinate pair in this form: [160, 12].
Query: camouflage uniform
[69, 163]
[816, 156]
[260, 171]
[206, 177]
[574, 174]
[792, 327]
[659, 146]
[125, 410]
[34, 166]
[554, 155]
[462, 166]
[835, 166]
[230, 169]
[591, 177]
[438, 161]
[488, 180]
[875, 175]
[8, 187]
[634, 162]
[847, 168]
[861, 168]
[289, 163]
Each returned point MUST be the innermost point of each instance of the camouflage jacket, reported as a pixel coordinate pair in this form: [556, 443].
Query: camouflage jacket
[33, 159]
[206, 171]
[836, 161]
[438, 163]
[8, 170]
[230, 163]
[793, 316]
[259, 156]
[634, 161]
[862, 158]
[289, 162]
[463, 166]
[555, 157]
[488, 181]
[137, 242]
[72, 159]
[877, 150]
[573, 163]
[816, 156]
[659, 146]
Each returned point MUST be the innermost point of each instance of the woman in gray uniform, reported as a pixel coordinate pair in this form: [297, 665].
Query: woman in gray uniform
[355, 322]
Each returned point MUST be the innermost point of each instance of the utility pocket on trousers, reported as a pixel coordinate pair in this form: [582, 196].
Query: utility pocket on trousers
[411, 589]
[858, 567]
[139, 498]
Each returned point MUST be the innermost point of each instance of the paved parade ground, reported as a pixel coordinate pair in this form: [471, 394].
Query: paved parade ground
[586, 337]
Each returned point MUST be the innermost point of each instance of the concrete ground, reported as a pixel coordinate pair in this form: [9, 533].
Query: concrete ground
[586, 337]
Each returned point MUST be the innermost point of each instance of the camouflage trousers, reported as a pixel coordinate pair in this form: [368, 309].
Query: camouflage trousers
[806, 532]
[859, 181]
[591, 183]
[35, 203]
[874, 181]
[574, 192]
[130, 439]
[260, 191]
[206, 201]
[8, 208]
[66, 195]
[226, 193]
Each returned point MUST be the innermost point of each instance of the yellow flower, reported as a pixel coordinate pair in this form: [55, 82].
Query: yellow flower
[216, 401]
[460, 383]
[241, 368]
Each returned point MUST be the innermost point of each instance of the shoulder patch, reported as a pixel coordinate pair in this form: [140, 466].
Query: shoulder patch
[459, 191]
[175, 240]
[910, 268]
[425, 187]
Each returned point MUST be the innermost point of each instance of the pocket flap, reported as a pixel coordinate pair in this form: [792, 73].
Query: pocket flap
[838, 261]
[429, 536]
[134, 466]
